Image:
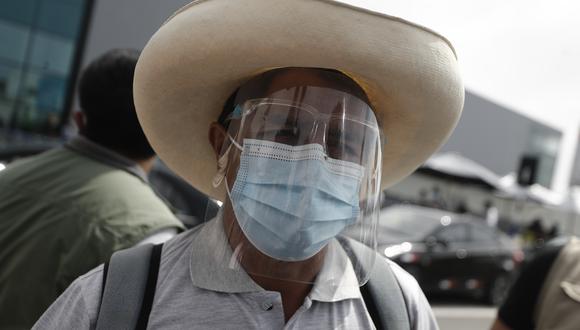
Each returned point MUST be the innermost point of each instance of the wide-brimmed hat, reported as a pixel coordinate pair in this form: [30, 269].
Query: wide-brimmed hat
[208, 48]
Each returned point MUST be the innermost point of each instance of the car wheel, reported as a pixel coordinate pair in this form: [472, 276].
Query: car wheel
[497, 290]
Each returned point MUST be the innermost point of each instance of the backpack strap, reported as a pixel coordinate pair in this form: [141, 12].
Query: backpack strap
[129, 282]
[382, 294]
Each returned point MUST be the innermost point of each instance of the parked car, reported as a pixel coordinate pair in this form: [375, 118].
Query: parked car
[449, 253]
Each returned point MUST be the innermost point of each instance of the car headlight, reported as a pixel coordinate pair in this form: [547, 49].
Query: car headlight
[398, 249]
[2, 166]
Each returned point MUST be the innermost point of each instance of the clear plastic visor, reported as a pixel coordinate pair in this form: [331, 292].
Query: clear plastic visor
[304, 165]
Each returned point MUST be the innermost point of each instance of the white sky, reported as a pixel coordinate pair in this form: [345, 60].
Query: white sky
[524, 54]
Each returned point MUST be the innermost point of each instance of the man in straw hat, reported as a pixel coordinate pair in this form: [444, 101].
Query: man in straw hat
[326, 104]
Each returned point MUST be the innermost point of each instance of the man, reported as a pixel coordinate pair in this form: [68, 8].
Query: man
[67, 210]
[313, 90]
[491, 214]
[546, 294]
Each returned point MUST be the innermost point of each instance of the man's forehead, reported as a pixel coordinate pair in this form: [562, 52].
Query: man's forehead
[285, 79]
[327, 91]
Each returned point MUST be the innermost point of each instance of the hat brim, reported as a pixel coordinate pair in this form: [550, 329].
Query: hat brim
[209, 48]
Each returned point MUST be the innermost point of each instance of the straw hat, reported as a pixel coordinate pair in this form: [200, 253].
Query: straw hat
[210, 47]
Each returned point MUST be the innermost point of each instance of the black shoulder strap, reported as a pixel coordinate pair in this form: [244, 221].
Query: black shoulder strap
[382, 293]
[129, 282]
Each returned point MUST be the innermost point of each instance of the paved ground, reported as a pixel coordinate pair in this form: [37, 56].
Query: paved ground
[462, 313]
[464, 317]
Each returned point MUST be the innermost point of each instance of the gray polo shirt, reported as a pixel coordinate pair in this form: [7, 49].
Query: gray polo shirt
[199, 288]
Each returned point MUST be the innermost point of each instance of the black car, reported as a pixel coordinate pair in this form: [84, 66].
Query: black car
[449, 253]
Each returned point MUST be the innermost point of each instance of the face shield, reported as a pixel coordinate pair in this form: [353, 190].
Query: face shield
[301, 165]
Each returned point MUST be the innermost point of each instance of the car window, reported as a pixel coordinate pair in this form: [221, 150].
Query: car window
[453, 233]
[482, 234]
[409, 223]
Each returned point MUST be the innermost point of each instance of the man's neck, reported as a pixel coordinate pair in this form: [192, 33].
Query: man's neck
[146, 164]
[293, 280]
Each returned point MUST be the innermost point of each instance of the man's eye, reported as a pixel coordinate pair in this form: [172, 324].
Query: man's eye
[288, 135]
[343, 151]
[288, 131]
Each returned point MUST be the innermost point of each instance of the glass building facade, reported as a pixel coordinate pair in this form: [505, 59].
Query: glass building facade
[575, 180]
[39, 55]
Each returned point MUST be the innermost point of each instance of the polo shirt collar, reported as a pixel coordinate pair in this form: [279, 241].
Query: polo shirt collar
[212, 268]
[104, 155]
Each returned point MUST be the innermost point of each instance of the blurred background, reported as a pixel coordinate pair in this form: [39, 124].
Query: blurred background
[506, 182]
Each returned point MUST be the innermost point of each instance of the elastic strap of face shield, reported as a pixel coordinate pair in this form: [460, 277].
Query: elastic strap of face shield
[223, 160]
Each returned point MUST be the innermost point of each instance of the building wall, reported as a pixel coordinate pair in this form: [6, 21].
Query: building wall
[497, 138]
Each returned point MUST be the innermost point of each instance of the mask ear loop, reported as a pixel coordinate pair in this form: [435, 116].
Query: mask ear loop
[223, 163]
[223, 160]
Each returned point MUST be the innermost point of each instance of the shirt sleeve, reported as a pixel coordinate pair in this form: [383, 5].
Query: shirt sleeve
[77, 307]
[421, 316]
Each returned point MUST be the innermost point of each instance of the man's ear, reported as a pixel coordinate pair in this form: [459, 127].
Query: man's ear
[217, 136]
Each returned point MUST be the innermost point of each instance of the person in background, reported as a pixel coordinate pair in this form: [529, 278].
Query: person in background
[65, 211]
[546, 294]
[534, 235]
[423, 199]
[491, 214]
[437, 198]
[553, 232]
[461, 208]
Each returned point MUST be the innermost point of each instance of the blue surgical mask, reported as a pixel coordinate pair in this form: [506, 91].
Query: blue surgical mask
[291, 201]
